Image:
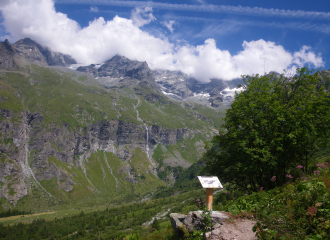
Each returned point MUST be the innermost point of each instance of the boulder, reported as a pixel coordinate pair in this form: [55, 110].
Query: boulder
[193, 221]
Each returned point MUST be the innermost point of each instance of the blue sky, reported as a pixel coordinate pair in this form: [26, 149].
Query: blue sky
[203, 38]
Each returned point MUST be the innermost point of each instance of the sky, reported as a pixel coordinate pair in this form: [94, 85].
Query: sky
[203, 38]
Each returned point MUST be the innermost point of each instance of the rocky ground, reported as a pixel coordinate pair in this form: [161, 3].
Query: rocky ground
[225, 226]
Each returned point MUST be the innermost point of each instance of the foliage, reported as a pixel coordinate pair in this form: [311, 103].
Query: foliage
[185, 182]
[297, 210]
[272, 126]
[120, 222]
[206, 224]
[155, 224]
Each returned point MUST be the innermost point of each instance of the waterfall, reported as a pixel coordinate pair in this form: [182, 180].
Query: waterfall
[27, 171]
[147, 147]
[145, 125]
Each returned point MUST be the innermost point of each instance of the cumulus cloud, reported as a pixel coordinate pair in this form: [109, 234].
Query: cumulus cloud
[102, 39]
[169, 25]
[305, 56]
[142, 16]
[94, 9]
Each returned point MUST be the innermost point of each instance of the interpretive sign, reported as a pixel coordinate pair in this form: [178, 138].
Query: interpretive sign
[209, 182]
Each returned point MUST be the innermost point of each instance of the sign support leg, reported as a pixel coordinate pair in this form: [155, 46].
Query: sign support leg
[209, 198]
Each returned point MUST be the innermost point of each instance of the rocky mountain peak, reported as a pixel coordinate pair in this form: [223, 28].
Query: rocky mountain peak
[123, 70]
[35, 53]
[8, 47]
[7, 53]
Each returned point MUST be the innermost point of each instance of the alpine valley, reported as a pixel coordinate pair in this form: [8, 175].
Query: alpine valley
[73, 135]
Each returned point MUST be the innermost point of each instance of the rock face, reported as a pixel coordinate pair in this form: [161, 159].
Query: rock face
[7, 53]
[40, 55]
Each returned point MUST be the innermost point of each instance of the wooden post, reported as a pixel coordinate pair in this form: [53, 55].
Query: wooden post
[209, 198]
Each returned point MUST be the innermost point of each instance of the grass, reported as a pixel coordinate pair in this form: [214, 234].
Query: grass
[141, 166]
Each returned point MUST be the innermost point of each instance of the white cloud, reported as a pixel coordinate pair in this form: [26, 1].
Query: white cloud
[169, 25]
[305, 56]
[94, 9]
[142, 16]
[101, 40]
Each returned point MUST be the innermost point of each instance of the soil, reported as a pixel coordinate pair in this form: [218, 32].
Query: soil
[235, 229]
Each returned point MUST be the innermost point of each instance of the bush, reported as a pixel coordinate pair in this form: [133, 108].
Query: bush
[297, 210]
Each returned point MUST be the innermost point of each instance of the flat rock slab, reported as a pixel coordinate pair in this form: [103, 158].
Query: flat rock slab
[215, 214]
[240, 229]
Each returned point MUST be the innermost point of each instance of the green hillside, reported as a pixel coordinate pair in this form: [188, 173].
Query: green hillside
[57, 110]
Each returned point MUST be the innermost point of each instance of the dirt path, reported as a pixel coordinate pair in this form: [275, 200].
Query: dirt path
[27, 216]
[23, 73]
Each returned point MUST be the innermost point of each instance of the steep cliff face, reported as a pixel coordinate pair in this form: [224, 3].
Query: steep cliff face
[27, 146]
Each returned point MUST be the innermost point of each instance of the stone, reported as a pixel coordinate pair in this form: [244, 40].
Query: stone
[194, 221]
[177, 223]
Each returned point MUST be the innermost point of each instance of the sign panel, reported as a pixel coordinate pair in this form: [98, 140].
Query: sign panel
[209, 182]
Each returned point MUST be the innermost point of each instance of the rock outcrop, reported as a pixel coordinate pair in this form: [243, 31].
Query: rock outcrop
[43, 56]
[240, 229]
[193, 221]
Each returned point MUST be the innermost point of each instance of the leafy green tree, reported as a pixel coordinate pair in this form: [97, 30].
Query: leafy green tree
[272, 126]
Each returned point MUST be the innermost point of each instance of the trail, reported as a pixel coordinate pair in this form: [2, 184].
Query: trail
[106, 161]
[158, 216]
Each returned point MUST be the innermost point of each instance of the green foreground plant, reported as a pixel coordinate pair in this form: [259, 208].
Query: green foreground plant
[297, 210]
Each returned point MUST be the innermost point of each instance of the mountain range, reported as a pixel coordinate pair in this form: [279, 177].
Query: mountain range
[73, 137]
